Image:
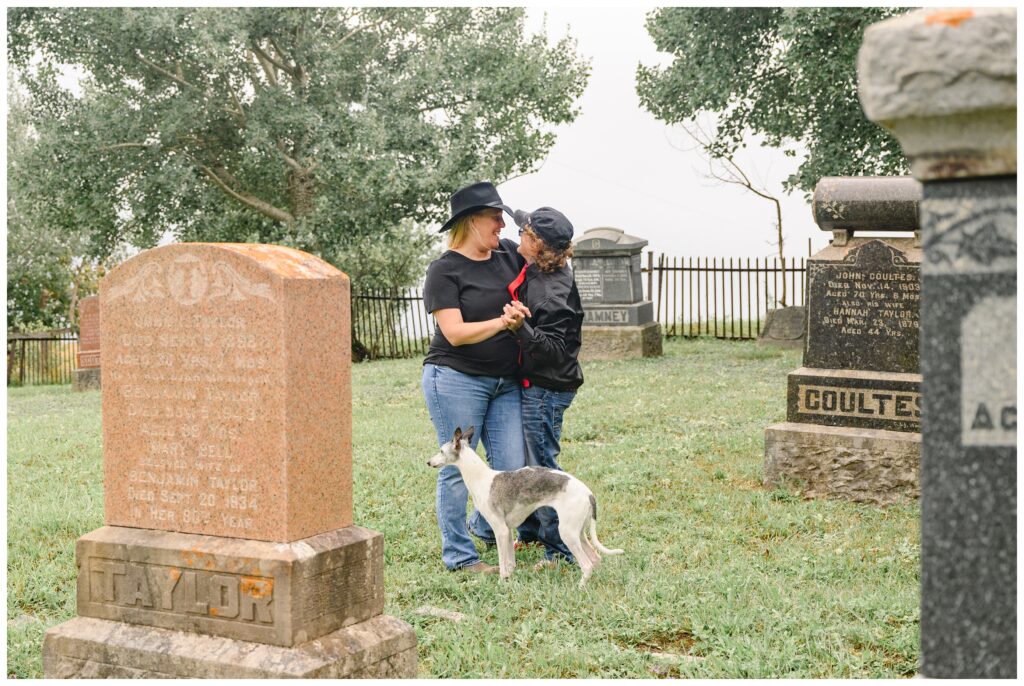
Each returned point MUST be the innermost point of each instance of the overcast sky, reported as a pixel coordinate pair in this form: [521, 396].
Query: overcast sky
[618, 166]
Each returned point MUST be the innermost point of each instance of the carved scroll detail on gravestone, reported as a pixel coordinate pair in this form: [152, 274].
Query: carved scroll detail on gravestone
[189, 281]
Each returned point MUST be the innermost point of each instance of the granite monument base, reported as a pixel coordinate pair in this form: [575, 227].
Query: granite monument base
[379, 648]
[86, 379]
[862, 465]
[159, 595]
[621, 342]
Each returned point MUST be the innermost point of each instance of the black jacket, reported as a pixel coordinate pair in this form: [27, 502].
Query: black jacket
[550, 338]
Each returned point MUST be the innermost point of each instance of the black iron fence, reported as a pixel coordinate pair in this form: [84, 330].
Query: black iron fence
[45, 357]
[390, 324]
[727, 298]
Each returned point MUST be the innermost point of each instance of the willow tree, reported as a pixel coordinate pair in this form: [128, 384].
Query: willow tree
[334, 130]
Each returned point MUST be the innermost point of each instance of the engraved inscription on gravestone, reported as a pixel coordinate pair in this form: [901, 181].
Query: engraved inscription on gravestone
[607, 279]
[196, 421]
[864, 311]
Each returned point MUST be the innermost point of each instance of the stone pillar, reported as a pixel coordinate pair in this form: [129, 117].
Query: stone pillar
[944, 82]
[852, 426]
[229, 548]
[617, 322]
[87, 373]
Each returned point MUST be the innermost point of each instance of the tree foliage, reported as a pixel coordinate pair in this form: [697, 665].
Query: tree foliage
[49, 268]
[787, 74]
[329, 129]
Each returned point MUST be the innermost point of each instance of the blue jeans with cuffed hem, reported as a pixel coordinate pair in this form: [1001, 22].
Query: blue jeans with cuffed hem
[543, 410]
[491, 405]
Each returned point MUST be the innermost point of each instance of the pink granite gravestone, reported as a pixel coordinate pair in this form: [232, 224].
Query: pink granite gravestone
[87, 373]
[229, 549]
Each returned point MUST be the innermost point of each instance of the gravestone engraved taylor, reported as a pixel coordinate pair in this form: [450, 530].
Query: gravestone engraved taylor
[854, 408]
[87, 372]
[945, 83]
[229, 548]
[617, 322]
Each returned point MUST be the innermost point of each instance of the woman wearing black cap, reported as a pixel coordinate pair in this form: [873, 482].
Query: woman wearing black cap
[469, 374]
[549, 336]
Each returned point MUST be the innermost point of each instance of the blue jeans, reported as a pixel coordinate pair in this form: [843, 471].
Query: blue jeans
[491, 405]
[542, 427]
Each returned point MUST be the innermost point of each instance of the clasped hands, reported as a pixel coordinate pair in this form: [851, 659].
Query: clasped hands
[514, 315]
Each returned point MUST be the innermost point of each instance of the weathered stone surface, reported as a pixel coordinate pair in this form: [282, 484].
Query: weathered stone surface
[226, 392]
[634, 314]
[382, 647]
[89, 332]
[969, 463]
[945, 83]
[862, 465]
[621, 342]
[86, 379]
[785, 327]
[863, 304]
[861, 399]
[866, 203]
[282, 594]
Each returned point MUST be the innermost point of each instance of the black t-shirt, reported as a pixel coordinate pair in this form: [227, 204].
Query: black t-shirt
[479, 289]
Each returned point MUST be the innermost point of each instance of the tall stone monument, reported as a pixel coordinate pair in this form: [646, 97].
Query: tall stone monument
[618, 322]
[229, 548]
[854, 408]
[945, 83]
[87, 372]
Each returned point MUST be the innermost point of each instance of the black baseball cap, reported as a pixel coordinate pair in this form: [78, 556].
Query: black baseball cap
[550, 225]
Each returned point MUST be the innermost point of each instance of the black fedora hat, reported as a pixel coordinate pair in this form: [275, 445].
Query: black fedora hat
[475, 197]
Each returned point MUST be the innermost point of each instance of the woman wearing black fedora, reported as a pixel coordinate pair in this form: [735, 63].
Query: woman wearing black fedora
[469, 374]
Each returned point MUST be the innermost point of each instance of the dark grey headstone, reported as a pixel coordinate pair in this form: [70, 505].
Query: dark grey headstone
[969, 464]
[863, 311]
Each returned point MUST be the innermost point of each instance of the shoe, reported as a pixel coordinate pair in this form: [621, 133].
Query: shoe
[545, 564]
[480, 567]
[522, 545]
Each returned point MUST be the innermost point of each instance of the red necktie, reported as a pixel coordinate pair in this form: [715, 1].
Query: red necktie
[513, 290]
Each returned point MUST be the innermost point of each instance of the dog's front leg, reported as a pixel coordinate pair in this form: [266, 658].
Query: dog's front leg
[506, 550]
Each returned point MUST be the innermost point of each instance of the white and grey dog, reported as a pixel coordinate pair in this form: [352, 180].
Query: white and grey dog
[505, 499]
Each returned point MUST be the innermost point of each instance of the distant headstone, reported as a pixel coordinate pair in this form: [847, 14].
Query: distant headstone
[87, 374]
[854, 408]
[617, 322]
[785, 327]
[944, 82]
[229, 548]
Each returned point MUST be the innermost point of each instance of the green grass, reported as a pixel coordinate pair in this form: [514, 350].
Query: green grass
[727, 577]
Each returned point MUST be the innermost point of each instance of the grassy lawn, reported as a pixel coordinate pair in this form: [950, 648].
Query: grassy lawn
[721, 577]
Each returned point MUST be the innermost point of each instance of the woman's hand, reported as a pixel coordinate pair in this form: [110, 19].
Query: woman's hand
[515, 313]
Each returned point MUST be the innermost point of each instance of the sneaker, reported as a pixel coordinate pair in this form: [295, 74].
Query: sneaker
[480, 567]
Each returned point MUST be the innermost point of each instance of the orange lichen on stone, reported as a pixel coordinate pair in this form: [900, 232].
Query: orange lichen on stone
[949, 17]
[213, 612]
[257, 588]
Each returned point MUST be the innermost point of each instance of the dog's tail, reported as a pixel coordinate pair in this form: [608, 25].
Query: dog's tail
[593, 530]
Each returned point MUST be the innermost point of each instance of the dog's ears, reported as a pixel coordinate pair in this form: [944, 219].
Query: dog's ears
[459, 437]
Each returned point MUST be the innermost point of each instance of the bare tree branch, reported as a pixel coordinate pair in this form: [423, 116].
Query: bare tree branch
[171, 75]
[265, 56]
[268, 67]
[246, 198]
